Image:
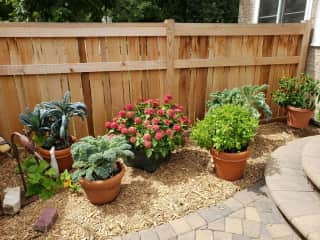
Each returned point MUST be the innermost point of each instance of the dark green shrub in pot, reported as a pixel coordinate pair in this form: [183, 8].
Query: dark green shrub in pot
[252, 97]
[97, 165]
[48, 126]
[299, 96]
[227, 131]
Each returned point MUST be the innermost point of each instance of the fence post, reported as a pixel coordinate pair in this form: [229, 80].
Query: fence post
[172, 83]
[304, 48]
[86, 89]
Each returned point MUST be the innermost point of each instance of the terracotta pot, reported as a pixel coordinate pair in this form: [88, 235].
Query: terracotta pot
[230, 166]
[103, 191]
[298, 117]
[63, 156]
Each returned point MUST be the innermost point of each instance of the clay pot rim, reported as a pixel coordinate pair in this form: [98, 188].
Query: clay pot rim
[110, 181]
[60, 151]
[230, 157]
[296, 109]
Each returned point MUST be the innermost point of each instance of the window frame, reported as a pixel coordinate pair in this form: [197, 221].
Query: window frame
[280, 11]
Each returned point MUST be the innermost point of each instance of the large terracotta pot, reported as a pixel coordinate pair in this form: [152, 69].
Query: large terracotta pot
[103, 191]
[63, 156]
[298, 117]
[230, 166]
[141, 161]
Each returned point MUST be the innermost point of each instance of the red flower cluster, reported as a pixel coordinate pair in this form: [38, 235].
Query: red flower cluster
[150, 126]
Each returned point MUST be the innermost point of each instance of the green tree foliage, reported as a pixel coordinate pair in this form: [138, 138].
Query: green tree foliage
[119, 10]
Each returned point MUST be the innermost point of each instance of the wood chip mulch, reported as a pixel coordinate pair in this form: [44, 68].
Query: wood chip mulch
[180, 186]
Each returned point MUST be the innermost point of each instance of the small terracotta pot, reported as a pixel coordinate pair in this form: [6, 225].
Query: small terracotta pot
[63, 156]
[298, 117]
[103, 191]
[230, 166]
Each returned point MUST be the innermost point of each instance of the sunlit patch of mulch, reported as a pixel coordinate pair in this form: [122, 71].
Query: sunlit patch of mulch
[180, 186]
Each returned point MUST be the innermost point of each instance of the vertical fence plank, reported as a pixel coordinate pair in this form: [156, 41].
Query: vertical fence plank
[304, 48]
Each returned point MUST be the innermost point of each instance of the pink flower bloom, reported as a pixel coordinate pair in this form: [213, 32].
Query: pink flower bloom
[130, 114]
[107, 124]
[137, 120]
[169, 132]
[114, 125]
[174, 116]
[149, 126]
[133, 140]
[121, 126]
[124, 130]
[177, 127]
[132, 130]
[129, 107]
[166, 122]
[158, 136]
[167, 98]
[170, 112]
[149, 111]
[177, 110]
[147, 144]
[155, 121]
[160, 112]
[146, 123]
[122, 113]
[111, 136]
[156, 128]
[147, 137]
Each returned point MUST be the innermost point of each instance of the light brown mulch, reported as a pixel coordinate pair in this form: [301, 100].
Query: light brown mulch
[182, 185]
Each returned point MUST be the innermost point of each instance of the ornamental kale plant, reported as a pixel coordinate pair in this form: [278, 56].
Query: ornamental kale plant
[96, 158]
[48, 123]
[252, 97]
[226, 128]
[151, 127]
[301, 93]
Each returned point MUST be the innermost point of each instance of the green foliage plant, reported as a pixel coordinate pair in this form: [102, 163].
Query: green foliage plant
[252, 97]
[48, 123]
[40, 178]
[300, 92]
[226, 128]
[96, 158]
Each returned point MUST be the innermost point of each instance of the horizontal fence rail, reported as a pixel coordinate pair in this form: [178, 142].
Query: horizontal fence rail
[109, 65]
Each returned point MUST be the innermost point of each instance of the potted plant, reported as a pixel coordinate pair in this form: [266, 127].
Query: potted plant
[227, 131]
[97, 167]
[48, 126]
[153, 130]
[299, 96]
[252, 97]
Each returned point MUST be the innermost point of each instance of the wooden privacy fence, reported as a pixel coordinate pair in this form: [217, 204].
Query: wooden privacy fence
[109, 65]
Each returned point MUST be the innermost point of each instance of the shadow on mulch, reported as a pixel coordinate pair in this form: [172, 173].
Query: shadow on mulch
[186, 164]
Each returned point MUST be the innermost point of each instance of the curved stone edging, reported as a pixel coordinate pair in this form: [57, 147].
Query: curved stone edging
[291, 190]
[311, 160]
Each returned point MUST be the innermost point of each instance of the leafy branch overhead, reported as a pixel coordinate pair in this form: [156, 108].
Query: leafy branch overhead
[95, 158]
[252, 97]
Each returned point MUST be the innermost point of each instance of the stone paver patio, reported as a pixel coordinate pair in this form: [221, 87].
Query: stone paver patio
[249, 214]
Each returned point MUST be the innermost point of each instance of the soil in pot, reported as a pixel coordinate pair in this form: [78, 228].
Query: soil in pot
[298, 117]
[103, 191]
[141, 161]
[63, 156]
[230, 166]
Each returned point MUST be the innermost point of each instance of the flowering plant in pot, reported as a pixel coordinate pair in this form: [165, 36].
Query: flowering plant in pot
[227, 131]
[299, 96]
[154, 130]
[97, 165]
[48, 126]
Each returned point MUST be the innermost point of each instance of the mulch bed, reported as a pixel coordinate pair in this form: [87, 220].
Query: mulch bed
[180, 186]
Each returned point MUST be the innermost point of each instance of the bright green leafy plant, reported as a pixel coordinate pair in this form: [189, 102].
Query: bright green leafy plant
[300, 92]
[48, 123]
[226, 128]
[96, 158]
[252, 97]
[41, 178]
